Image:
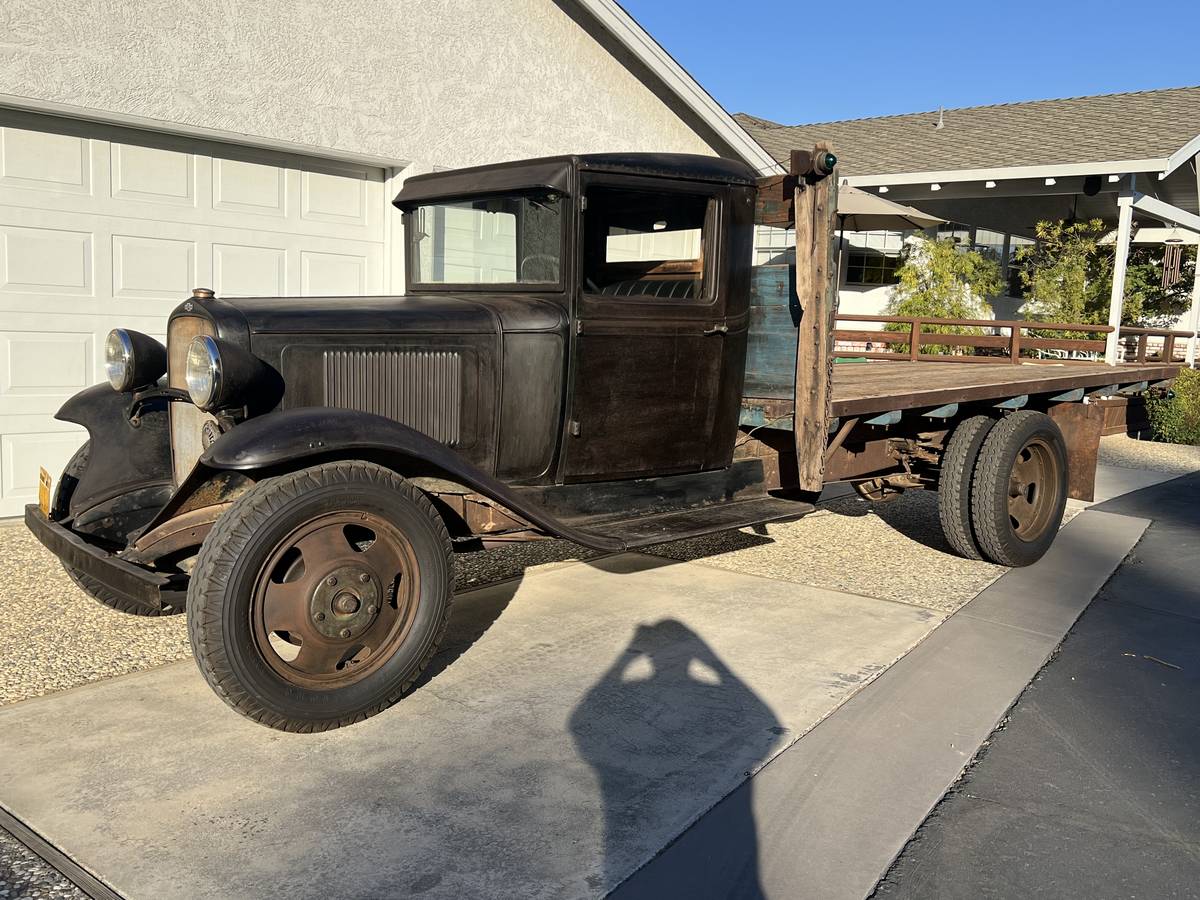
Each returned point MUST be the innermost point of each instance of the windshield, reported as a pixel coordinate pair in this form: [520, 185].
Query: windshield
[508, 239]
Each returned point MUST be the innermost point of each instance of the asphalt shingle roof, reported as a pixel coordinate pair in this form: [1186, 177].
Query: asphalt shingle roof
[1143, 125]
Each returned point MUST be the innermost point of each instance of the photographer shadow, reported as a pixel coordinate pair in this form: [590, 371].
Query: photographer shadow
[662, 728]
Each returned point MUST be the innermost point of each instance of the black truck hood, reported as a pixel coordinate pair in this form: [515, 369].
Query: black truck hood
[434, 313]
[430, 313]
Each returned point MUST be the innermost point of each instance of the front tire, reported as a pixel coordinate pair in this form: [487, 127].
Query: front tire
[319, 596]
[1020, 489]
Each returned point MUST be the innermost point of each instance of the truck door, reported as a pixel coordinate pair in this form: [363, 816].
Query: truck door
[650, 330]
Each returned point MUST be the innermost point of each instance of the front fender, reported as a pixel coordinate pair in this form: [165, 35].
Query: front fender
[284, 438]
[124, 456]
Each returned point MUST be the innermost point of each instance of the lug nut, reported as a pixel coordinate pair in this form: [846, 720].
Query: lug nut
[331, 580]
[370, 610]
[364, 577]
[320, 617]
[345, 632]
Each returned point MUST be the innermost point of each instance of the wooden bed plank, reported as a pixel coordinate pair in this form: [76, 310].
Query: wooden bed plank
[878, 386]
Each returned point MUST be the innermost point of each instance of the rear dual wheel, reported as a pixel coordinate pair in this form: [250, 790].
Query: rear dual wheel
[1003, 487]
[319, 597]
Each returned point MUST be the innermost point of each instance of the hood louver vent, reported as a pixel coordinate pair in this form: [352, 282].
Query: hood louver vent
[420, 388]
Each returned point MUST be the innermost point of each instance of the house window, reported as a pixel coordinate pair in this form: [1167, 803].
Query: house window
[872, 257]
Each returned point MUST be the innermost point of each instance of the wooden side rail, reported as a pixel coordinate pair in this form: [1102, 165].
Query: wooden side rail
[996, 346]
[1143, 336]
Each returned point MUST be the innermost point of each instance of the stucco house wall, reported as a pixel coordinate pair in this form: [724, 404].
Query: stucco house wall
[448, 83]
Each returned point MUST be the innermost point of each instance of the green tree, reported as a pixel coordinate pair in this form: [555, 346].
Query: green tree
[938, 279]
[1068, 277]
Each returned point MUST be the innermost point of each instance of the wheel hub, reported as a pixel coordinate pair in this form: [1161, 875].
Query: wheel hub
[345, 602]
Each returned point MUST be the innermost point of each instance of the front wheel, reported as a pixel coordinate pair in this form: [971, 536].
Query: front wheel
[1019, 490]
[319, 596]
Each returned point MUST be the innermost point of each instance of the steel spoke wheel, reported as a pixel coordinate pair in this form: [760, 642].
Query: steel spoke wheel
[1019, 489]
[319, 597]
[335, 599]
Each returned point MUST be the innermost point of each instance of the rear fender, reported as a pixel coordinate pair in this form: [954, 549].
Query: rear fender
[127, 454]
[291, 439]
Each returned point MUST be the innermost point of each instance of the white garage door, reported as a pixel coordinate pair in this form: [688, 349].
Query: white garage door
[103, 226]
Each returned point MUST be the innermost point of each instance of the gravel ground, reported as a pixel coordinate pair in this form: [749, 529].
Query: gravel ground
[23, 874]
[1129, 453]
[894, 551]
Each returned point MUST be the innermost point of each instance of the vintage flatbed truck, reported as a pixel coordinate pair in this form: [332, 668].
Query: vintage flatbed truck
[570, 359]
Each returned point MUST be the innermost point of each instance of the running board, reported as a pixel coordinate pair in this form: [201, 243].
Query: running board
[641, 531]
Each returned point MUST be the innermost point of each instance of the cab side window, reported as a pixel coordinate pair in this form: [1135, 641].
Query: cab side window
[645, 244]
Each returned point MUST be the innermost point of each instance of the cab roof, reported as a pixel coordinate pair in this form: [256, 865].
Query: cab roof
[556, 173]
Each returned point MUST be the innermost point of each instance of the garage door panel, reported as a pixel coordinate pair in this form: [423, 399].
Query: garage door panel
[248, 187]
[153, 268]
[38, 260]
[241, 271]
[153, 175]
[332, 274]
[45, 161]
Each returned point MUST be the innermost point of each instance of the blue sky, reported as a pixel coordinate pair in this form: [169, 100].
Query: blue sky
[778, 59]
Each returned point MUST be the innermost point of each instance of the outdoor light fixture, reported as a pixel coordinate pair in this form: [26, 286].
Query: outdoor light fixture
[1113, 179]
[935, 187]
[883, 189]
[1050, 181]
[989, 184]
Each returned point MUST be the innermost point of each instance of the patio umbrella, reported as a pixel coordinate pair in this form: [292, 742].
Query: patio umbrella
[860, 211]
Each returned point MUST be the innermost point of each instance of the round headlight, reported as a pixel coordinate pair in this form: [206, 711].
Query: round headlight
[203, 372]
[118, 359]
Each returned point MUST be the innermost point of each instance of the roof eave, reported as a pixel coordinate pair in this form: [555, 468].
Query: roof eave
[1002, 173]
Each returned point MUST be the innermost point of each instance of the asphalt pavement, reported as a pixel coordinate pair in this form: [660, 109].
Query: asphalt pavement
[1092, 787]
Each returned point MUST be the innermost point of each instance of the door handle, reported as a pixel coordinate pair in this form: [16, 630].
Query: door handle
[722, 328]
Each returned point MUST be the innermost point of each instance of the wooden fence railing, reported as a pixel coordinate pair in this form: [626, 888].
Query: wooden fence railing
[1016, 345]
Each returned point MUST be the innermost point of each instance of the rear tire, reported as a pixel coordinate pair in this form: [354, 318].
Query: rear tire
[319, 596]
[1020, 489]
[954, 484]
[87, 584]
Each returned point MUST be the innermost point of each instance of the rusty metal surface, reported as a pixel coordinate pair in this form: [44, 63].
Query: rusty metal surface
[335, 599]
[1081, 425]
[185, 530]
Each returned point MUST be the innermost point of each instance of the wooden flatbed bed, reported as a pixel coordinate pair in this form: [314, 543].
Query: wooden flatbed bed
[878, 386]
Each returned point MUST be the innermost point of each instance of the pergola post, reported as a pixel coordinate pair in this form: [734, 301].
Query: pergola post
[1116, 303]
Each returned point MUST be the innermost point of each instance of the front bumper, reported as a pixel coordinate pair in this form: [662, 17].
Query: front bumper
[153, 590]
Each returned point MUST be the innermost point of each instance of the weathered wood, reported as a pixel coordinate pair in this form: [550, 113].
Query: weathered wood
[775, 203]
[872, 387]
[815, 208]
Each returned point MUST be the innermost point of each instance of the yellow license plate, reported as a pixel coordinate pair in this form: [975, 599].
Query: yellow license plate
[44, 492]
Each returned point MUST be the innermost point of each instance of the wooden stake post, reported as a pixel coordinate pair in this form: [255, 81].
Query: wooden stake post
[807, 198]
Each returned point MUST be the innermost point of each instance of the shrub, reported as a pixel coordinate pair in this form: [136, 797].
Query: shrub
[940, 280]
[1175, 417]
